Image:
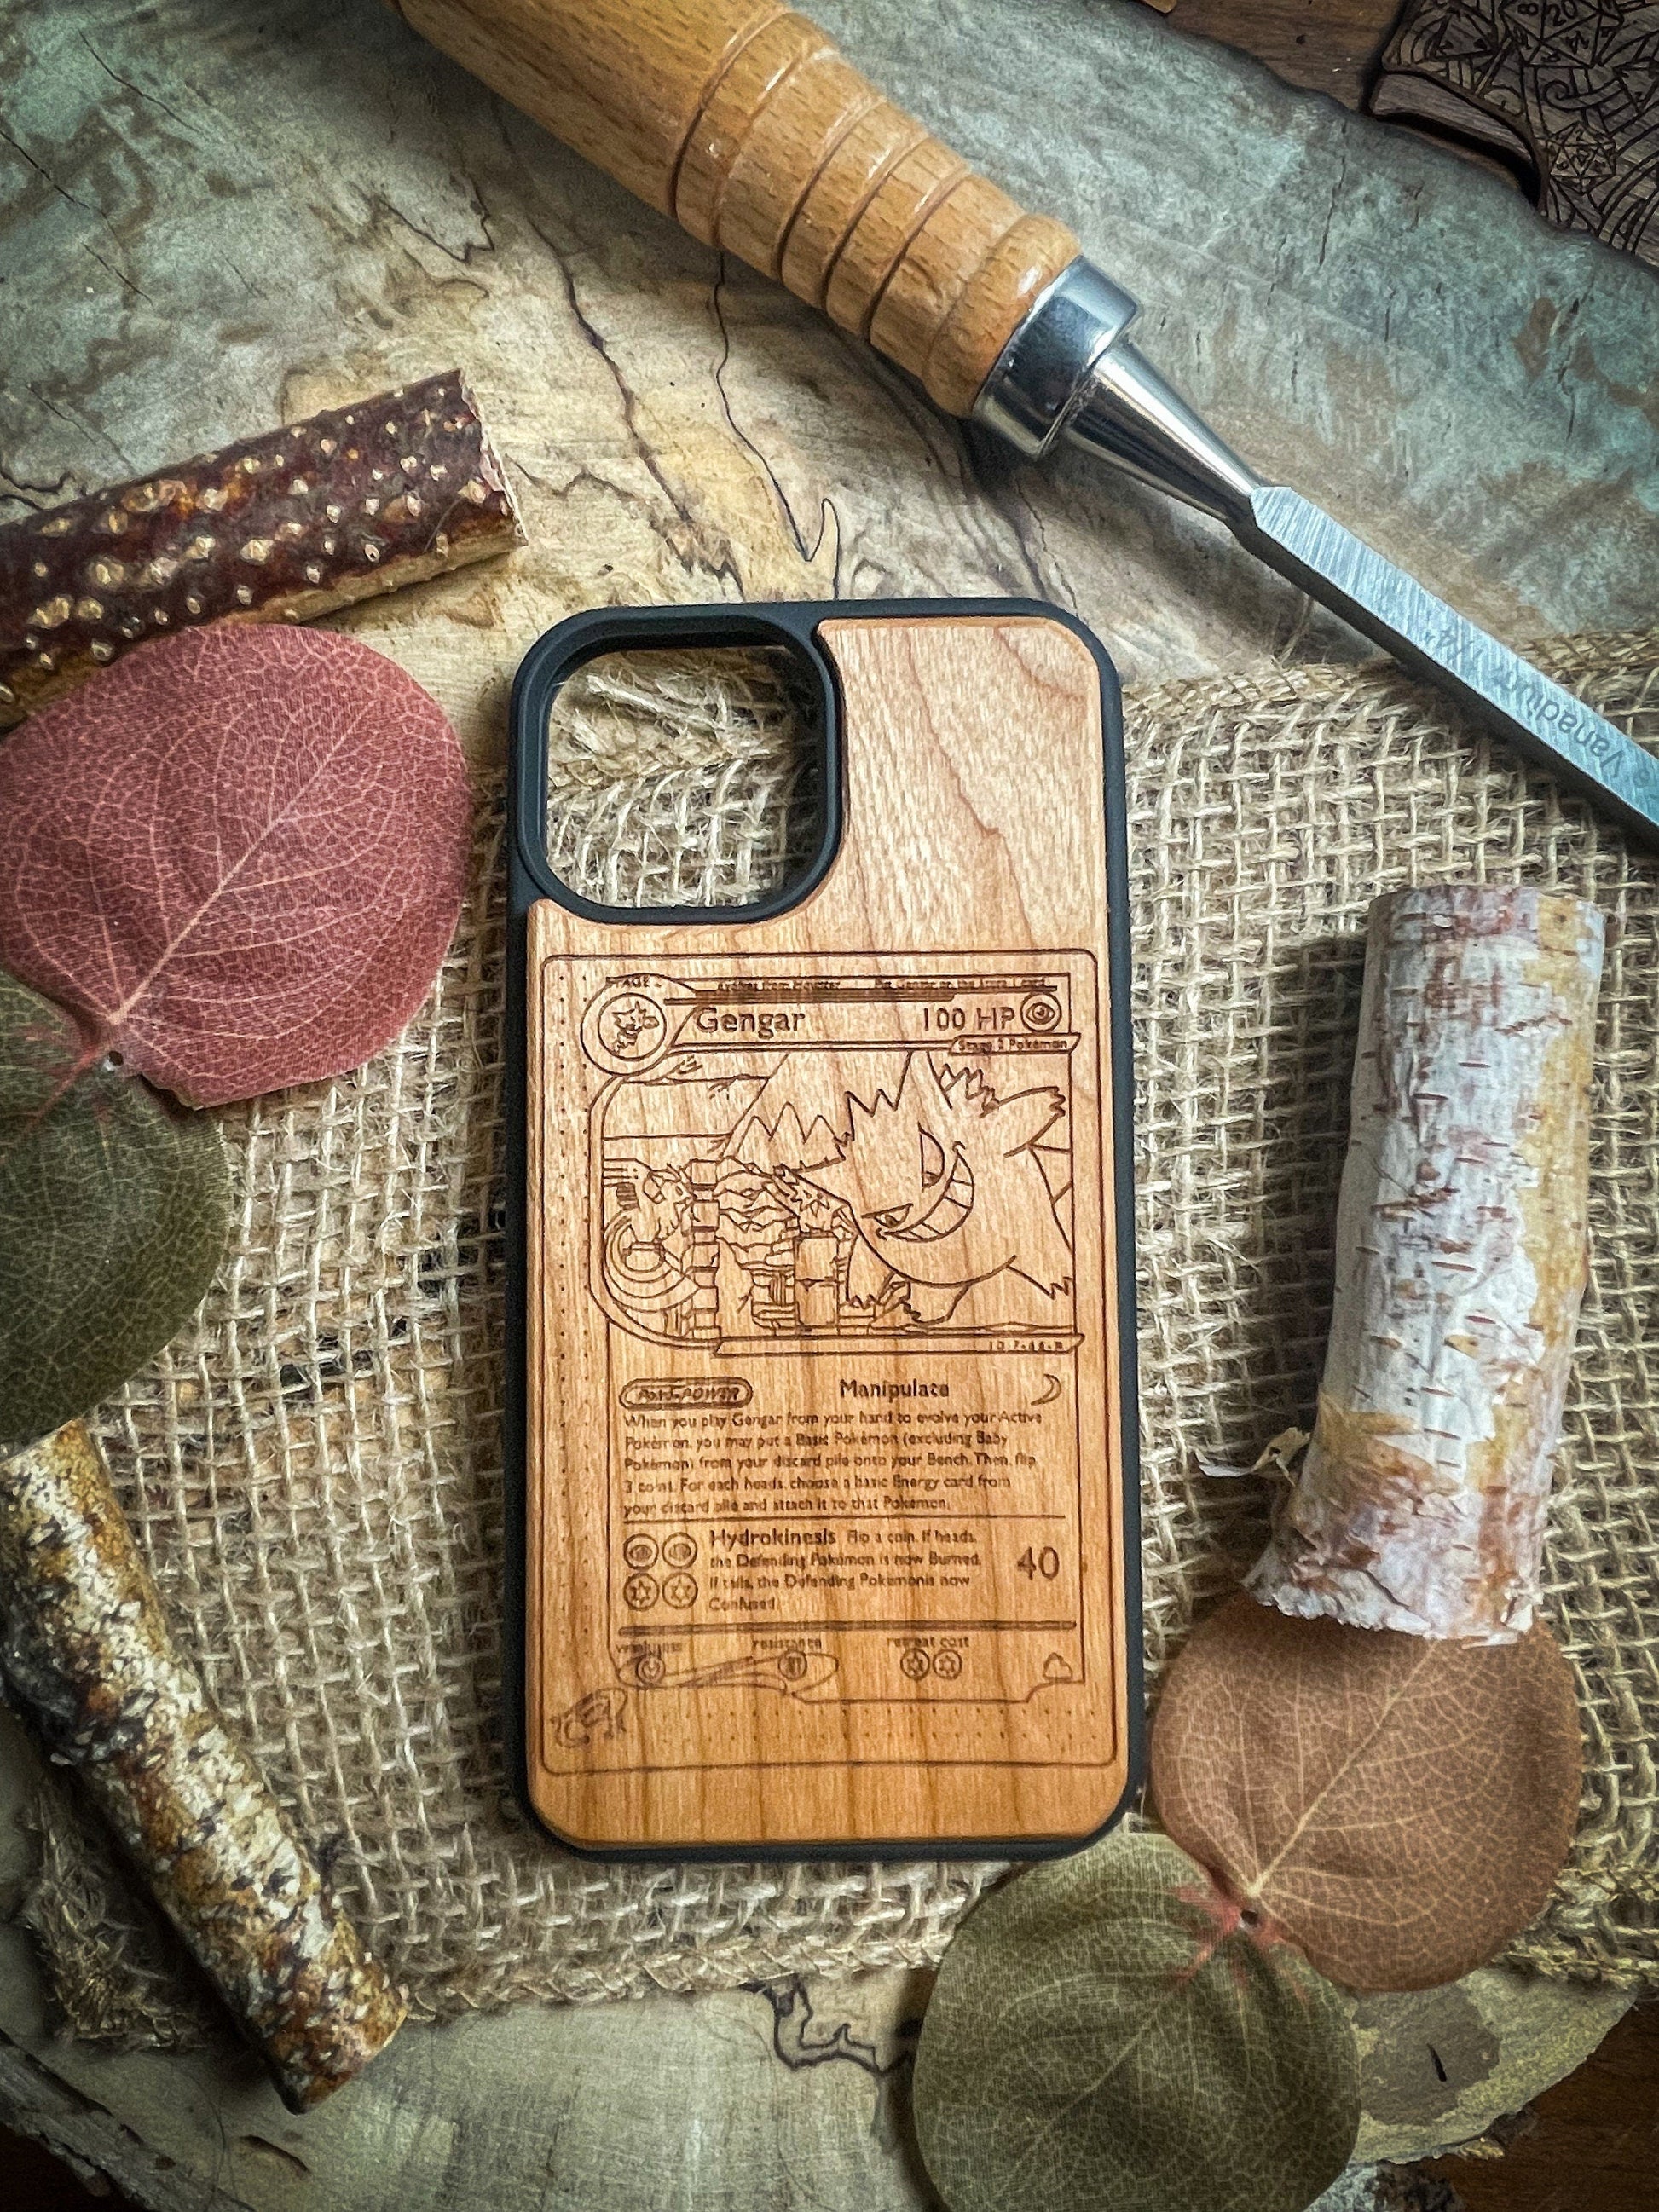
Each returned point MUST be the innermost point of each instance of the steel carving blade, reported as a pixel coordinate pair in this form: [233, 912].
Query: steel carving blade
[1070, 372]
[1544, 723]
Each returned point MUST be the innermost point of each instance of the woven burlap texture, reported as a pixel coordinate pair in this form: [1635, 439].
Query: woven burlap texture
[314, 1468]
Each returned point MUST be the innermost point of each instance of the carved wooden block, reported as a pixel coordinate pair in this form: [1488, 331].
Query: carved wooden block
[829, 1418]
[1568, 91]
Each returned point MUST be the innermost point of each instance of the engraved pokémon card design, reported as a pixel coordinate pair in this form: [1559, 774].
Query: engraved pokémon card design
[843, 1216]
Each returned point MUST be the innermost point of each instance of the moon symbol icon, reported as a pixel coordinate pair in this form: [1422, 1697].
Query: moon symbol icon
[1050, 1394]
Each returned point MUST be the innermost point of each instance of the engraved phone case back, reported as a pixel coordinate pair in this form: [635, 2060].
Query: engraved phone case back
[828, 1397]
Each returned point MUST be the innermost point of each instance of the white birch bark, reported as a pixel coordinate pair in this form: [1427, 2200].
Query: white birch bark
[1460, 1262]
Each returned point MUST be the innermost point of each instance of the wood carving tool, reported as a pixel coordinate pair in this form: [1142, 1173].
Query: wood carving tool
[740, 119]
[821, 1414]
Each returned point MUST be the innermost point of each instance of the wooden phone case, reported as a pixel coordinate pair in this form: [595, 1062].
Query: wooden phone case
[821, 1422]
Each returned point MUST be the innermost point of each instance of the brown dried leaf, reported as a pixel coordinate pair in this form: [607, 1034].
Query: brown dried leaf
[1399, 1807]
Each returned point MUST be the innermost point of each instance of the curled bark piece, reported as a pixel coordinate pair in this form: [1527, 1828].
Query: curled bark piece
[1461, 1255]
[279, 528]
[86, 1650]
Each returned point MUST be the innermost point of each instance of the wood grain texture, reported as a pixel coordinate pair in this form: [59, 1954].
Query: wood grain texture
[744, 122]
[825, 1428]
[1322, 45]
[623, 82]
[767, 457]
[677, 428]
[1590, 2144]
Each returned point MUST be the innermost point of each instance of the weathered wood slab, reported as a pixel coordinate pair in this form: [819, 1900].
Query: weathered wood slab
[222, 212]
[741, 2102]
[218, 217]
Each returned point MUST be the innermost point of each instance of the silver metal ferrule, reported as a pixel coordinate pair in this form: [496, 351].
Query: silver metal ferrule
[1127, 415]
[1038, 377]
[1068, 370]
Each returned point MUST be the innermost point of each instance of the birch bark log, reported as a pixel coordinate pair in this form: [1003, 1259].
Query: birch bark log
[1461, 1255]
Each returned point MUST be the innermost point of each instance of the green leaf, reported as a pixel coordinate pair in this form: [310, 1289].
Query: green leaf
[1107, 2036]
[114, 1214]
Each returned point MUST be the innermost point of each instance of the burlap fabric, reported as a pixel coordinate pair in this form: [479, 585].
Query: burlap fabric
[314, 1468]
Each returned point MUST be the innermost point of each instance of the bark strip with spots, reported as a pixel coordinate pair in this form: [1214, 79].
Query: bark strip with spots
[86, 1651]
[1461, 1253]
[280, 528]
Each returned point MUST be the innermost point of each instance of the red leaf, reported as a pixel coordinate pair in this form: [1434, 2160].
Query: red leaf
[239, 855]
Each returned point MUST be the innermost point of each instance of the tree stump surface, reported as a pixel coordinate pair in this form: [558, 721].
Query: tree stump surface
[219, 218]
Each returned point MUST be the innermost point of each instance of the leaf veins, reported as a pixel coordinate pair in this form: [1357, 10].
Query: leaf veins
[238, 856]
[1108, 2035]
[1399, 1806]
[114, 1214]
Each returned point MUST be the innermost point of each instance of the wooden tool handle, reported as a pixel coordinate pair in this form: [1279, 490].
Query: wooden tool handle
[739, 119]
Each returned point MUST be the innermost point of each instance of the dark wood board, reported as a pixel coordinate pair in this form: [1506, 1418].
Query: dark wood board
[1590, 2144]
[1323, 46]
